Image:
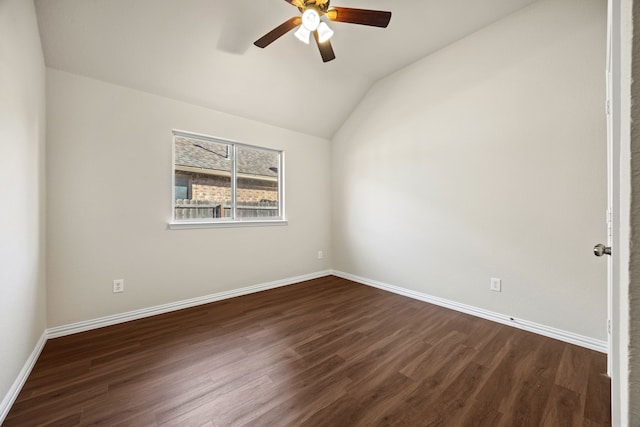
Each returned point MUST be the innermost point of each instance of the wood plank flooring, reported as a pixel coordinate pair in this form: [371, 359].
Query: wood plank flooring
[326, 352]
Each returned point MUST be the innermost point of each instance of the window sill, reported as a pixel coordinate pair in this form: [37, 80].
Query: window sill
[180, 225]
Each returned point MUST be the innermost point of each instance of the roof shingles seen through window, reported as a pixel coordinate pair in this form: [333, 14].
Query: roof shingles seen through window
[210, 155]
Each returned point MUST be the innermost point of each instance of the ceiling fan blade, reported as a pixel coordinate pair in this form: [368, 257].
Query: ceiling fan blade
[326, 51]
[278, 32]
[374, 18]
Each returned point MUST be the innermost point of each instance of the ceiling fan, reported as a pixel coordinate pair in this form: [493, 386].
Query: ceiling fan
[311, 22]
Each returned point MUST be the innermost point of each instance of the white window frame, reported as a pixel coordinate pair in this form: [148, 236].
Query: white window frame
[231, 221]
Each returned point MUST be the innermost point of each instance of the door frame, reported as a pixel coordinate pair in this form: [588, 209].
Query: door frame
[609, 107]
[620, 36]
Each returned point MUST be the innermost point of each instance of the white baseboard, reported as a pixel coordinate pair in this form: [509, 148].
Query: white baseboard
[87, 325]
[13, 392]
[547, 331]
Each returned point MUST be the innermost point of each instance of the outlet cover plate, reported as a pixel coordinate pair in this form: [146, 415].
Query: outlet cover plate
[118, 286]
[496, 284]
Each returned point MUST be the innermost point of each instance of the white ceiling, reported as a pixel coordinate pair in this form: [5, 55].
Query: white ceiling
[201, 51]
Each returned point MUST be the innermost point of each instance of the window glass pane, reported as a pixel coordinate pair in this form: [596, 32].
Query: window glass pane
[202, 179]
[182, 187]
[257, 183]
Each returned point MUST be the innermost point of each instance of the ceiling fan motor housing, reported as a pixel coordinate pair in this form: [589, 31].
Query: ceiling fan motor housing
[320, 5]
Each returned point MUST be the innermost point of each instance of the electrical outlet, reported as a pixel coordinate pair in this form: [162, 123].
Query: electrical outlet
[320, 255]
[118, 286]
[496, 284]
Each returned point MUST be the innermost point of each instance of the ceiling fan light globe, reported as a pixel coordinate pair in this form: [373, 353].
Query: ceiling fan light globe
[310, 19]
[324, 32]
[303, 34]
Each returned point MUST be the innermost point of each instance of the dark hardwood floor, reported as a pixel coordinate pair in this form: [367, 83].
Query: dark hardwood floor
[327, 352]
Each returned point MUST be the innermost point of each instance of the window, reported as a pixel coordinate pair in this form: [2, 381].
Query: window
[182, 187]
[219, 182]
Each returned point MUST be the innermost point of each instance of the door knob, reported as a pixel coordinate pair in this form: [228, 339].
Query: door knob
[600, 249]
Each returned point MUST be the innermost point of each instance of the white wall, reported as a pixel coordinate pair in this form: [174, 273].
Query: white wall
[109, 202]
[22, 189]
[486, 159]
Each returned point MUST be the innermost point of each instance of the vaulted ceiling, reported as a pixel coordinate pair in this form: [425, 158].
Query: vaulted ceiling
[201, 51]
